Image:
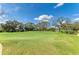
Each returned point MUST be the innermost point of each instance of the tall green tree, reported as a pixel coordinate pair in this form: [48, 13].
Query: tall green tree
[10, 26]
[29, 26]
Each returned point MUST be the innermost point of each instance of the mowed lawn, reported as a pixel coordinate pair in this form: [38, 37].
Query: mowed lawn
[39, 43]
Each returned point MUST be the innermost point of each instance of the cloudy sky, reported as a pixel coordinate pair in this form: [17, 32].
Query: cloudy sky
[32, 12]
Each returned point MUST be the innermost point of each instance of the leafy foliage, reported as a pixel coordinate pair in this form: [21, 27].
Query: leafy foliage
[63, 25]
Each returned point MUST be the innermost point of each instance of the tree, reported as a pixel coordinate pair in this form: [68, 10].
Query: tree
[10, 26]
[20, 27]
[42, 25]
[29, 26]
[62, 23]
[1, 28]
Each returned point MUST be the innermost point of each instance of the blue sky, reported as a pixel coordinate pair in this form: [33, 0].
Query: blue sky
[32, 12]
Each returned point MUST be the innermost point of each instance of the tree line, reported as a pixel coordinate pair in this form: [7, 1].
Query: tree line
[62, 25]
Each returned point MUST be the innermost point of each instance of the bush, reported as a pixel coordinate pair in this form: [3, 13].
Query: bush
[1, 31]
[68, 31]
[52, 29]
[63, 31]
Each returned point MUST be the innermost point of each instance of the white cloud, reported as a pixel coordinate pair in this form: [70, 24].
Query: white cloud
[63, 22]
[45, 20]
[4, 13]
[75, 14]
[75, 20]
[3, 18]
[44, 17]
[58, 5]
[0, 6]
[35, 18]
[1, 10]
[17, 8]
[14, 9]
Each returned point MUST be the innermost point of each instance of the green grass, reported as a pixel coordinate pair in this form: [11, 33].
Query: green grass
[39, 43]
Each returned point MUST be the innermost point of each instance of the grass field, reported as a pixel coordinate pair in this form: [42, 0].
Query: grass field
[39, 43]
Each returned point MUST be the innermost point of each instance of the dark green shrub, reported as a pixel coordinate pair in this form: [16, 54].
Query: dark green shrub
[51, 29]
[70, 31]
